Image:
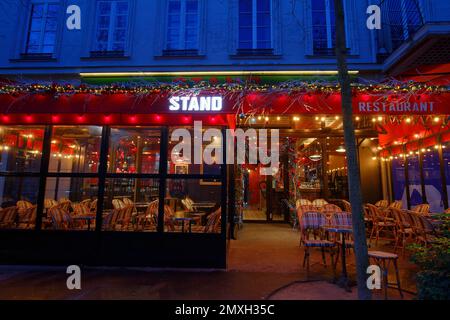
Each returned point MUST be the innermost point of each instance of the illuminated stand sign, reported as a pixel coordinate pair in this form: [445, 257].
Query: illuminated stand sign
[195, 104]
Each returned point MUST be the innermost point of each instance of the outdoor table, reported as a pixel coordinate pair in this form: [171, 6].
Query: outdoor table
[343, 281]
[87, 218]
[183, 220]
[200, 215]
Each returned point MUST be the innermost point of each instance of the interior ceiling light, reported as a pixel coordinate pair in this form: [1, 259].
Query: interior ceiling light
[341, 149]
[315, 157]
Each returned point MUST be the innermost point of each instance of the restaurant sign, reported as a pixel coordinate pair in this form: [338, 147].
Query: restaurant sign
[195, 103]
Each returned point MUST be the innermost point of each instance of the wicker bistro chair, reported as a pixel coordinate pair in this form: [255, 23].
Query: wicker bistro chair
[302, 202]
[93, 206]
[424, 230]
[48, 203]
[124, 222]
[61, 219]
[148, 220]
[65, 204]
[27, 218]
[213, 223]
[380, 222]
[328, 209]
[118, 204]
[319, 203]
[23, 205]
[347, 206]
[404, 229]
[8, 217]
[109, 220]
[397, 204]
[302, 209]
[423, 209]
[382, 204]
[311, 225]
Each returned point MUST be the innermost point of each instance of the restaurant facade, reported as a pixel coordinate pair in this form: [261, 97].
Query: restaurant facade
[87, 173]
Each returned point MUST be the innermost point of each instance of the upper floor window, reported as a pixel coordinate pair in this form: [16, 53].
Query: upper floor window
[42, 28]
[323, 26]
[182, 25]
[404, 19]
[255, 24]
[112, 26]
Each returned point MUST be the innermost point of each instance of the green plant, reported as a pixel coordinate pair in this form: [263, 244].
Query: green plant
[433, 278]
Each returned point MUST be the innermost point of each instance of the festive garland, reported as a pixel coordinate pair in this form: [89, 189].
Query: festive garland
[133, 88]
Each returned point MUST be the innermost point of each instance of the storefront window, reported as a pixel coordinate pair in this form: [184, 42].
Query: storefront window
[18, 196]
[184, 153]
[415, 185]
[432, 180]
[20, 152]
[131, 204]
[70, 203]
[134, 150]
[20, 149]
[398, 180]
[75, 149]
[192, 205]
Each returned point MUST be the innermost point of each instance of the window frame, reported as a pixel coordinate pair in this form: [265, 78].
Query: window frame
[254, 26]
[112, 22]
[182, 27]
[28, 22]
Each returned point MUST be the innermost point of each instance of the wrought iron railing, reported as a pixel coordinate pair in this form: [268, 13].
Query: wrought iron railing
[400, 20]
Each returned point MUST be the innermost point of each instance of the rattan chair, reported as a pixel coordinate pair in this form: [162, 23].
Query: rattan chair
[319, 203]
[382, 204]
[397, 204]
[311, 225]
[302, 202]
[404, 230]
[118, 204]
[27, 218]
[380, 222]
[423, 209]
[8, 217]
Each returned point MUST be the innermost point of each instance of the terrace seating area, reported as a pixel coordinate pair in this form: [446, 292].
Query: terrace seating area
[124, 215]
[328, 228]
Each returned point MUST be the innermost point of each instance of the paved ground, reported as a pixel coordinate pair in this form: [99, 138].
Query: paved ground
[264, 263]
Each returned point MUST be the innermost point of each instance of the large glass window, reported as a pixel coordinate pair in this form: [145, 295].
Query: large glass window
[192, 205]
[75, 149]
[415, 185]
[111, 26]
[134, 150]
[131, 204]
[70, 203]
[20, 153]
[21, 149]
[42, 28]
[255, 24]
[132, 183]
[432, 180]
[187, 150]
[182, 25]
[399, 181]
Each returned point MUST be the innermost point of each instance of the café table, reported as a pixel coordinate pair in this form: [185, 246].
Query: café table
[88, 218]
[183, 220]
[343, 281]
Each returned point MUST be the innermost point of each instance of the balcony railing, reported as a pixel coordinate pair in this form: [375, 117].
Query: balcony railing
[400, 20]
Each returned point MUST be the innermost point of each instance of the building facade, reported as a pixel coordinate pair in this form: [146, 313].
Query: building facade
[86, 121]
